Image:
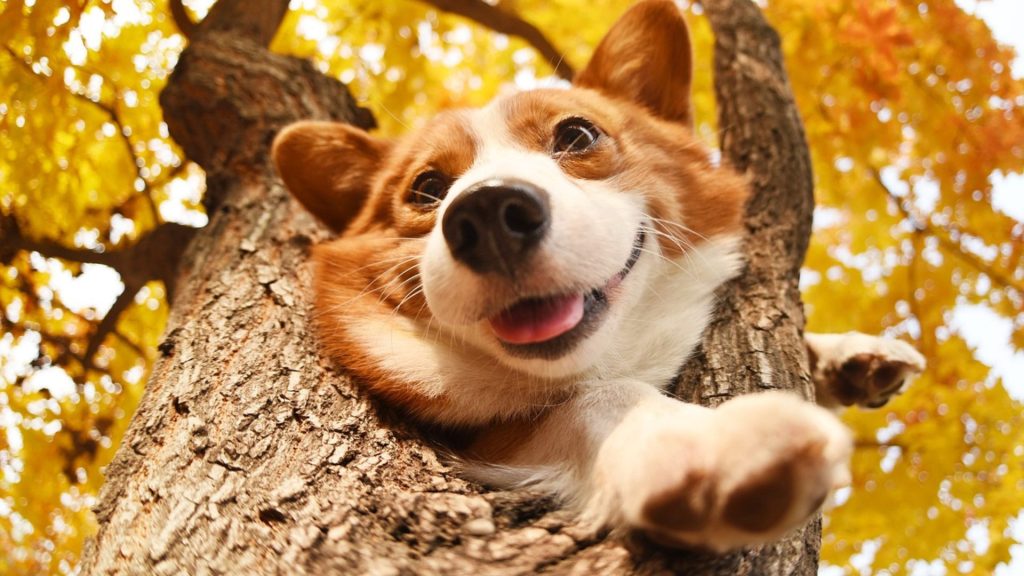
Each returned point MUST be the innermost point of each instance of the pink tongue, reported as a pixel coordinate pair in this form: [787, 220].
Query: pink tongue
[533, 321]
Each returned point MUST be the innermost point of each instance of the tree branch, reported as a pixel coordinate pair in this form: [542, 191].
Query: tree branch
[147, 190]
[109, 324]
[12, 240]
[182, 20]
[68, 346]
[923, 224]
[862, 444]
[254, 20]
[112, 113]
[505, 22]
[755, 341]
[154, 257]
[135, 346]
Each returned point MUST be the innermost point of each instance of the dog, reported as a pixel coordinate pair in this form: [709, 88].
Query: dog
[536, 271]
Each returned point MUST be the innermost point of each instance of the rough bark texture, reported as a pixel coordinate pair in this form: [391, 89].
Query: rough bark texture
[250, 454]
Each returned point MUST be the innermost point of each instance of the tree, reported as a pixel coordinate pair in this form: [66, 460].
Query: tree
[236, 298]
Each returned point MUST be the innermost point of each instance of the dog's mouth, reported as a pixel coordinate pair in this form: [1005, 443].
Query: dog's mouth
[550, 326]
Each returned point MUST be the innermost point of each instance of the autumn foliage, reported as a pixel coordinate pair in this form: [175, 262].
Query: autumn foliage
[915, 121]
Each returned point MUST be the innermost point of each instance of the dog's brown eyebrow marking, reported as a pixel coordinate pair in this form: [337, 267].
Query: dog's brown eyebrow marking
[529, 119]
[448, 143]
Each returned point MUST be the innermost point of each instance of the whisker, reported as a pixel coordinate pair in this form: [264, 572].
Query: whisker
[678, 225]
[687, 248]
[380, 276]
[559, 155]
[679, 242]
[392, 114]
[396, 289]
[668, 261]
[385, 261]
[369, 289]
[408, 297]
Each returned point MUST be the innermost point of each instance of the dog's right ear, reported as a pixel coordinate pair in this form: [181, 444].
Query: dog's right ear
[646, 58]
[329, 167]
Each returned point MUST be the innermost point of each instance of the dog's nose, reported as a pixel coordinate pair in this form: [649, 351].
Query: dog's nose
[494, 225]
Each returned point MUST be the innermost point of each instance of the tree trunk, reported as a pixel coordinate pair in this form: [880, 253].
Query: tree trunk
[250, 454]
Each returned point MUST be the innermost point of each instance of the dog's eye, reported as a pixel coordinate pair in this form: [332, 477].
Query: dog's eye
[429, 188]
[575, 135]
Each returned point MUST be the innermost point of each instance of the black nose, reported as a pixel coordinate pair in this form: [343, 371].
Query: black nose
[494, 225]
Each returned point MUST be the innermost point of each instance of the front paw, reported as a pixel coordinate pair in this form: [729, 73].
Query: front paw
[775, 460]
[866, 370]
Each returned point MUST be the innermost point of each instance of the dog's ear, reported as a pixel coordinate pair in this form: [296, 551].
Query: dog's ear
[646, 58]
[329, 167]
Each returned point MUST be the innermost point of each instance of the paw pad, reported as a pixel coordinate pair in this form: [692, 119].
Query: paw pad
[768, 498]
[869, 380]
[684, 508]
[856, 368]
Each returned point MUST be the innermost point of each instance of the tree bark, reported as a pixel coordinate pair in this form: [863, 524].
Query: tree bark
[251, 454]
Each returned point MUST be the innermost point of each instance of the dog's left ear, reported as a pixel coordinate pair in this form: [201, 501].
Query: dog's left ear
[329, 168]
[646, 58]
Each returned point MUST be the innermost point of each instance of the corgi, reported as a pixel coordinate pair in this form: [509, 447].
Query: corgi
[536, 271]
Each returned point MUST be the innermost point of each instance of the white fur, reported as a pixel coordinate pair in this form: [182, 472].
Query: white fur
[661, 443]
[835, 349]
[619, 443]
[646, 335]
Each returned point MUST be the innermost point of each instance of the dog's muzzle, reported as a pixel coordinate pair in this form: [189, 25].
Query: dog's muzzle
[495, 225]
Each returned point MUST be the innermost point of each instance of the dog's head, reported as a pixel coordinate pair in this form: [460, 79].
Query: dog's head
[528, 229]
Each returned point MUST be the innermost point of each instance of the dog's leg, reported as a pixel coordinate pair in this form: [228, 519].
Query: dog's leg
[631, 457]
[855, 368]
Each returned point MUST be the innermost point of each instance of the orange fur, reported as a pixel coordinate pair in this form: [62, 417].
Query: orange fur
[326, 166]
[364, 272]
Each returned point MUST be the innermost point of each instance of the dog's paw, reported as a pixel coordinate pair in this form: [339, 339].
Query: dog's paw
[859, 369]
[686, 506]
[775, 460]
